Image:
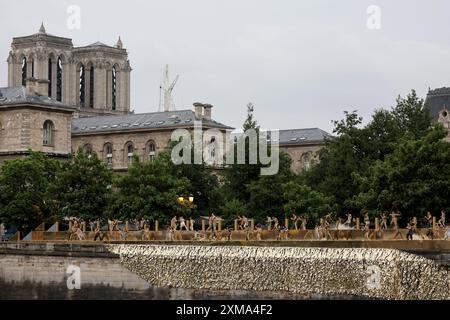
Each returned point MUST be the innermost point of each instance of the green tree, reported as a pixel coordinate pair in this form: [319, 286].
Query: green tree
[266, 192]
[357, 148]
[81, 188]
[411, 115]
[415, 178]
[203, 181]
[332, 176]
[150, 190]
[230, 211]
[302, 200]
[239, 176]
[24, 183]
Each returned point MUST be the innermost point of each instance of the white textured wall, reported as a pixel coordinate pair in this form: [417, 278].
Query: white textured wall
[304, 271]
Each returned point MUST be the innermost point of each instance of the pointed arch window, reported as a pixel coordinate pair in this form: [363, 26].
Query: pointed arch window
[24, 71]
[59, 84]
[114, 89]
[151, 150]
[212, 148]
[47, 139]
[91, 87]
[88, 149]
[108, 152]
[82, 85]
[129, 150]
[306, 161]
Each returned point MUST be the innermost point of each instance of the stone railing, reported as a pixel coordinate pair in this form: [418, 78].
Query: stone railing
[372, 273]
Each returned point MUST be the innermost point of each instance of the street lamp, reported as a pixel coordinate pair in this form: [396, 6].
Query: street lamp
[186, 202]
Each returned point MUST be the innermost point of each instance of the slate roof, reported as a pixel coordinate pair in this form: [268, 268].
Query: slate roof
[120, 123]
[305, 136]
[18, 95]
[436, 100]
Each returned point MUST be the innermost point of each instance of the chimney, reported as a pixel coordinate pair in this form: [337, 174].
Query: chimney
[198, 109]
[36, 87]
[207, 111]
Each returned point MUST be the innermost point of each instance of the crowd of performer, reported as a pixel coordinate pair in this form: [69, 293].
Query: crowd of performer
[321, 230]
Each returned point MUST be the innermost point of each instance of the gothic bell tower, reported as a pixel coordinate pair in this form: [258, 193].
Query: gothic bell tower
[95, 78]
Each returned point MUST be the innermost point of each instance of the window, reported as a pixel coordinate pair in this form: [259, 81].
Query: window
[88, 148]
[49, 78]
[91, 87]
[113, 89]
[24, 71]
[108, 151]
[151, 150]
[59, 80]
[82, 85]
[212, 148]
[306, 161]
[47, 133]
[129, 149]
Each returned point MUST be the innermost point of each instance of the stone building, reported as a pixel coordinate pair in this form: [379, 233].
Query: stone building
[60, 98]
[438, 102]
[95, 79]
[303, 146]
[117, 139]
[30, 121]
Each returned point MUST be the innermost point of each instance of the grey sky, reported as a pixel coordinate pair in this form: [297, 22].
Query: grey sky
[300, 62]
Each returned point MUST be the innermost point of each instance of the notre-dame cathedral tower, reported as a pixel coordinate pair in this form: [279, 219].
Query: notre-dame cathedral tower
[95, 79]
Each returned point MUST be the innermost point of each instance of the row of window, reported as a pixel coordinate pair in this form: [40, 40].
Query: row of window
[82, 81]
[129, 151]
[82, 88]
[50, 76]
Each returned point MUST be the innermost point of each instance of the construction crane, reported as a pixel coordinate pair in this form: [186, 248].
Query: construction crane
[166, 88]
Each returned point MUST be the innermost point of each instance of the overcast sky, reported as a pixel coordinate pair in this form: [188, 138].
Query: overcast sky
[301, 63]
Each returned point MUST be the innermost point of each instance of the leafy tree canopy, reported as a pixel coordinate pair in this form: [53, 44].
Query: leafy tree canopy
[81, 188]
[415, 178]
[150, 190]
[24, 184]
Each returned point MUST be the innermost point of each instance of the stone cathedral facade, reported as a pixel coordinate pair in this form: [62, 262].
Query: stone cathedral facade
[61, 98]
[93, 79]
